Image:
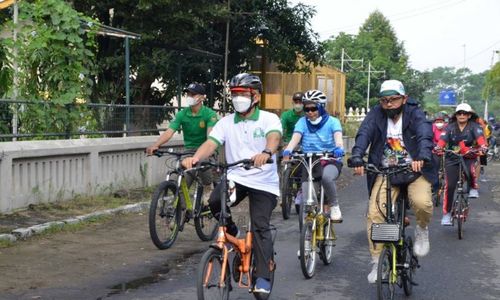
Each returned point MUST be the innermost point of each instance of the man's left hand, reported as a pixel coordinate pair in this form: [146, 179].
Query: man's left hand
[260, 159]
[417, 165]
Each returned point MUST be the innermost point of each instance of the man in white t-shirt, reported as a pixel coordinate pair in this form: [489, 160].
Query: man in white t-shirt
[256, 134]
[396, 131]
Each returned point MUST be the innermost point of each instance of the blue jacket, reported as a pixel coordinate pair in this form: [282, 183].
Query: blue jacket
[417, 136]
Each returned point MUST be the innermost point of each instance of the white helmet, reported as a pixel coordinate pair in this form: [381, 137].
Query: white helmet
[315, 96]
[464, 107]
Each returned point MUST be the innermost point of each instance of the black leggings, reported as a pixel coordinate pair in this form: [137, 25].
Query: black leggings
[262, 204]
[451, 179]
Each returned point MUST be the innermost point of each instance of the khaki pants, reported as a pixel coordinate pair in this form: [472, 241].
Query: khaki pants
[420, 196]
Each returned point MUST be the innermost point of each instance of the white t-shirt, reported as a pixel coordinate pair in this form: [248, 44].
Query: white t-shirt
[244, 138]
[394, 149]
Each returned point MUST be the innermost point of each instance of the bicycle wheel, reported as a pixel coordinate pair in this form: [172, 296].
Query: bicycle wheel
[262, 296]
[326, 247]
[164, 215]
[385, 286]
[208, 283]
[307, 250]
[410, 266]
[288, 192]
[204, 222]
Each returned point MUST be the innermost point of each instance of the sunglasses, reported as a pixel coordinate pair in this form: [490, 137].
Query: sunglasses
[309, 109]
[390, 100]
[462, 113]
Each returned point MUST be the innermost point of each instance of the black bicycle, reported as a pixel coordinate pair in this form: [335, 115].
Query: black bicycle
[174, 203]
[290, 185]
[397, 263]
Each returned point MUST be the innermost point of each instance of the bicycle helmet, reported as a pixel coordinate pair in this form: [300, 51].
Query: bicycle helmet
[245, 80]
[315, 96]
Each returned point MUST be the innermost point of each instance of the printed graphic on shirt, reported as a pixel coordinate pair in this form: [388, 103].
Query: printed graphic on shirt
[394, 152]
[258, 133]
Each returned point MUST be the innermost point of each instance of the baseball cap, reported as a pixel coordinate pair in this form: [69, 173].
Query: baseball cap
[297, 96]
[463, 107]
[195, 88]
[392, 87]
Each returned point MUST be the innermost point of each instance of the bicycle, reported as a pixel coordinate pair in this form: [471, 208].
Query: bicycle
[317, 233]
[290, 186]
[493, 151]
[214, 271]
[397, 263]
[460, 206]
[173, 205]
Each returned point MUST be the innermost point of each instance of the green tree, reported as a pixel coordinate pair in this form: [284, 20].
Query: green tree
[172, 32]
[377, 43]
[491, 90]
[55, 63]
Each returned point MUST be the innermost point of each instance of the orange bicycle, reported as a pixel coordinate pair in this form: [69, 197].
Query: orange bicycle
[214, 270]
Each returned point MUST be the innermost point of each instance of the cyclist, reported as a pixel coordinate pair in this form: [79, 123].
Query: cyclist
[317, 132]
[396, 131]
[290, 117]
[196, 122]
[462, 133]
[438, 127]
[248, 133]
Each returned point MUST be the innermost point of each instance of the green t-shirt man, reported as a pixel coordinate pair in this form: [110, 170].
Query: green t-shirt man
[290, 117]
[195, 121]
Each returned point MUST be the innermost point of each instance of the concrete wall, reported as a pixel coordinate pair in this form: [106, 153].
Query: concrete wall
[43, 171]
[34, 172]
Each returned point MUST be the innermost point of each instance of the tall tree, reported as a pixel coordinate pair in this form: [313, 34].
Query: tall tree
[378, 44]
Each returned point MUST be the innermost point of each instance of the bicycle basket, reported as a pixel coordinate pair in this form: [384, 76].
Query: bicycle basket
[384, 232]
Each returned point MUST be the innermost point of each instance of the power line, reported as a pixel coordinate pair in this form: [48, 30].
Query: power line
[480, 52]
[401, 15]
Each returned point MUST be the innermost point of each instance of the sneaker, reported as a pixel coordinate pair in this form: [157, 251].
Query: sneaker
[473, 193]
[446, 220]
[335, 213]
[421, 241]
[262, 285]
[372, 276]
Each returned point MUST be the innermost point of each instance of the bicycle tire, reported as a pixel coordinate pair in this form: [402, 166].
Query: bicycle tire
[204, 222]
[409, 260]
[288, 192]
[307, 250]
[385, 288]
[326, 247]
[262, 296]
[210, 263]
[164, 217]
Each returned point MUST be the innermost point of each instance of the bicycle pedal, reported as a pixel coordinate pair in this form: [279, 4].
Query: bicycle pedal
[337, 221]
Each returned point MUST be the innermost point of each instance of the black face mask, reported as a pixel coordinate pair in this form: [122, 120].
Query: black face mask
[391, 113]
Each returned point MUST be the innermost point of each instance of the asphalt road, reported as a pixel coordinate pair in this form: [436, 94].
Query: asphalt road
[454, 269]
[117, 260]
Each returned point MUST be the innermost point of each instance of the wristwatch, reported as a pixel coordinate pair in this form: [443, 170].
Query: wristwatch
[268, 151]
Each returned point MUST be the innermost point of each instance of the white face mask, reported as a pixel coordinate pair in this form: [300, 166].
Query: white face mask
[191, 101]
[298, 107]
[241, 103]
[439, 125]
[315, 122]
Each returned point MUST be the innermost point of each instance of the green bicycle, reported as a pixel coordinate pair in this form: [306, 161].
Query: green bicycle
[174, 203]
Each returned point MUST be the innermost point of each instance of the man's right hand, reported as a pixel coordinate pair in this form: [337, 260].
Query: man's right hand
[189, 162]
[357, 164]
[151, 149]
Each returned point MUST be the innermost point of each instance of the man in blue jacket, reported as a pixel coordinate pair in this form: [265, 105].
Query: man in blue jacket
[396, 131]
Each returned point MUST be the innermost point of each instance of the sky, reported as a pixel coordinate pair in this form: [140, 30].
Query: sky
[434, 32]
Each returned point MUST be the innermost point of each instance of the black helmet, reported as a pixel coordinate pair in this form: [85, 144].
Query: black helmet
[298, 96]
[246, 80]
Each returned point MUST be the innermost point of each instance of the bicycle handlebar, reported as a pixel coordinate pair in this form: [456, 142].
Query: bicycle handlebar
[247, 164]
[170, 151]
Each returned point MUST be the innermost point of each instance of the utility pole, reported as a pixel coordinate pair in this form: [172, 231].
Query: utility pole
[15, 92]
[226, 54]
[342, 60]
[463, 90]
[370, 71]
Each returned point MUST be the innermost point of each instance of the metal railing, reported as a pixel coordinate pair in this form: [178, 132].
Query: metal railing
[48, 120]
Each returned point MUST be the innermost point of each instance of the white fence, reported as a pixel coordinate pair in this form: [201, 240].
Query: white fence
[356, 115]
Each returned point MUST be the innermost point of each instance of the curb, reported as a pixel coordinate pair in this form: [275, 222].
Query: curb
[25, 233]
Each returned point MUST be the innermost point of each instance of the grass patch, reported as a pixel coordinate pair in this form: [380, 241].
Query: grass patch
[6, 244]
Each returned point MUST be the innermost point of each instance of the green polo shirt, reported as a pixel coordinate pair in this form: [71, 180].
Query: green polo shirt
[288, 120]
[194, 127]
